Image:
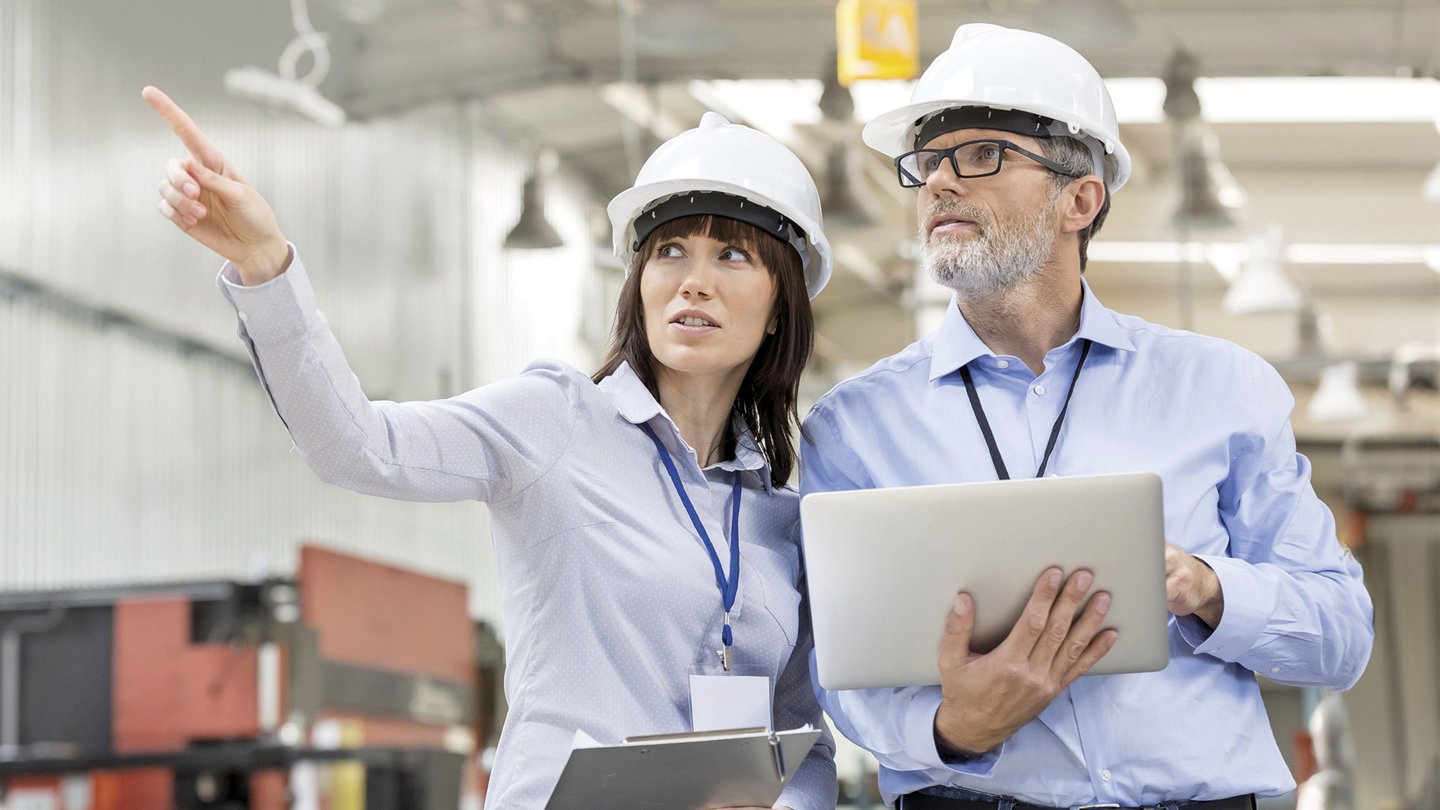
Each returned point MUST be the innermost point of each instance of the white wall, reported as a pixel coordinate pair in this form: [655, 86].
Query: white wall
[124, 457]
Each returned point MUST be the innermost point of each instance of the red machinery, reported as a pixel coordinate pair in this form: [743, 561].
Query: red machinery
[204, 694]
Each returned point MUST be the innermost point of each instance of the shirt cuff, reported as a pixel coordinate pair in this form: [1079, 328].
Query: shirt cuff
[920, 740]
[282, 308]
[1248, 603]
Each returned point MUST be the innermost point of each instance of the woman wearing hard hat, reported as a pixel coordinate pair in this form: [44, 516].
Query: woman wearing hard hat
[647, 544]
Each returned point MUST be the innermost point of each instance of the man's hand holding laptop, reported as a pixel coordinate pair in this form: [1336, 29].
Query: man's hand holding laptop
[987, 698]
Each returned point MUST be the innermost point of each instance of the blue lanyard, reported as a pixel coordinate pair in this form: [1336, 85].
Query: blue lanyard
[727, 589]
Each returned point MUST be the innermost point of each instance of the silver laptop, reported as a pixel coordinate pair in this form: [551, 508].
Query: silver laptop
[884, 566]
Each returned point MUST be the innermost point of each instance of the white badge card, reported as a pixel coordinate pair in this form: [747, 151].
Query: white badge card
[729, 701]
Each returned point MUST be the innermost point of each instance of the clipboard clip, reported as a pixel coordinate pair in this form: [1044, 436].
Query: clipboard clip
[778, 756]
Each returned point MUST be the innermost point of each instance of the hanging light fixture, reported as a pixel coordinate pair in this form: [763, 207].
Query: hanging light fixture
[286, 89]
[836, 102]
[1209, 195]
[1262, 284]
[840, 204]
[532, 231]
[1338, 397]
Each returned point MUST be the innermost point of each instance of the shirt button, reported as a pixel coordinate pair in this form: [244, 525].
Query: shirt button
[1105, 774]
[1002, 363]
[1039, 390]
[1274, 669]
[244, 316]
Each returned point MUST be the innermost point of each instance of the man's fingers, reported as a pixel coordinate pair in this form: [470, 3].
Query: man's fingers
[1172, 557]
[1096, 650]
[1036, 616]
[959, 625]
[183, 127]
[1081, 635]
[1062, 616]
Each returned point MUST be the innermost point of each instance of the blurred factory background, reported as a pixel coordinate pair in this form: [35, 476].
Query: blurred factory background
[443, 165]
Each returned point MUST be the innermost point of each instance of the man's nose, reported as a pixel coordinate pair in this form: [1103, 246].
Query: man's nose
[944, 178]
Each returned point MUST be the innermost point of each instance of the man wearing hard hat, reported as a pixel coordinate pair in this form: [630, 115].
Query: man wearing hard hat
[1012, 143]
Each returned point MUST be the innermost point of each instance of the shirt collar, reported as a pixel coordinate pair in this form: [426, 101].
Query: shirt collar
[637, 406]
[955, 343]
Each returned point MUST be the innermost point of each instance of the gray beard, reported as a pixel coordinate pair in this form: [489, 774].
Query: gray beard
[997, 259]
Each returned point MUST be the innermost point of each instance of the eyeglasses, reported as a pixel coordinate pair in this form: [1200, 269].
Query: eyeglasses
[969, 159]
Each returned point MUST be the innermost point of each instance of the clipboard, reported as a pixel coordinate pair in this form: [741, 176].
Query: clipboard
[712, 769]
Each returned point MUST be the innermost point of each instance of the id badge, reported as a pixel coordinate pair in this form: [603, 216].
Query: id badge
[724, 700]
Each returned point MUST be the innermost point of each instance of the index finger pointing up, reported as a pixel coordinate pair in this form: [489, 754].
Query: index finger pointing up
[184, 128]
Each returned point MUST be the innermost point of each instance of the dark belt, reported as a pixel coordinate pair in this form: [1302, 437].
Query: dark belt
[923, 801]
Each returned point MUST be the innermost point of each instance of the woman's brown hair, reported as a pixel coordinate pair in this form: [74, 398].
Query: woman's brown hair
[769, 393]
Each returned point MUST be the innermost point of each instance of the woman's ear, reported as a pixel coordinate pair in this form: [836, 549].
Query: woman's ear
[1084, 198]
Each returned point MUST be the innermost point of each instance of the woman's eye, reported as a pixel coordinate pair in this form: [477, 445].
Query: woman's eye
[734, 254]
[669, 250]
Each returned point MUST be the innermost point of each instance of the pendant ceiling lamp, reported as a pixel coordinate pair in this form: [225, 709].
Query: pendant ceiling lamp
[1262, 284]
[532, 231]
[1209, 196]
[286, 89]
[840, 205]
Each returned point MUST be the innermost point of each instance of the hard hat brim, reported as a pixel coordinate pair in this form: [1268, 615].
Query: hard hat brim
[629, 204]
[892, 133]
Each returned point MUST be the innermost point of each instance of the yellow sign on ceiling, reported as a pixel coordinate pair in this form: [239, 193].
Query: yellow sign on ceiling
[876, 39]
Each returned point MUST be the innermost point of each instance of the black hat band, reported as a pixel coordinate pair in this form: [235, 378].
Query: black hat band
[1016, 121]
[720, 204]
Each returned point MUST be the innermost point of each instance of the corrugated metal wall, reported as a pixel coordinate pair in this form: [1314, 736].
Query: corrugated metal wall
[138, 453]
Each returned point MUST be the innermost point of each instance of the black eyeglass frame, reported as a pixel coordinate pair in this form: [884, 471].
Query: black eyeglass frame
[907, 180]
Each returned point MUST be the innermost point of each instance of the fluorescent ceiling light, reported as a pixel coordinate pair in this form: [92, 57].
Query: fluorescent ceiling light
[1284, 100]
[774, 106]
[1228, 256]
[782, 104]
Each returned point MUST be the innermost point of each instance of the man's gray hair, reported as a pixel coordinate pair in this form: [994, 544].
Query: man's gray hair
[1077, 159]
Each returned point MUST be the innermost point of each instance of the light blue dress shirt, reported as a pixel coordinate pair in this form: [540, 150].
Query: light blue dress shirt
[608, 594]
[1213, 421]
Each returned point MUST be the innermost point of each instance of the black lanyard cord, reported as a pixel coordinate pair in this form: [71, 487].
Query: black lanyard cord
[989, 435]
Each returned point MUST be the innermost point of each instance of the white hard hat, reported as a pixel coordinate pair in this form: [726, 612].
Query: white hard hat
[684, 174]
[1008, 69]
